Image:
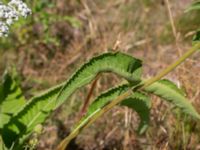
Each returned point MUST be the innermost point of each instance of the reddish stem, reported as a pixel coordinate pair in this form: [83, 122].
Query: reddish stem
[87, 100]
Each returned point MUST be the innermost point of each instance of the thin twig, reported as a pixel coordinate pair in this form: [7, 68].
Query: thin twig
[87, 100]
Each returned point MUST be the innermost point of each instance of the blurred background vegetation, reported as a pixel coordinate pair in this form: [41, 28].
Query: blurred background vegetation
[60, 35]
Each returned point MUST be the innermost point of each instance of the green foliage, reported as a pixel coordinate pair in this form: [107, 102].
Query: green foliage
[33, 113]
[137, 101]
[73, 21]
[140, 103]
[98, 104]
[189, 21]
[39, 6]
[121, 64]
[196, 37]
[169, 92]
[39, 107]
[21, 119]
[194, 6]
[11, 98]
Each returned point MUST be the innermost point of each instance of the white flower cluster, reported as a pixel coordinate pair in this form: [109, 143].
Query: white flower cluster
[10, 13]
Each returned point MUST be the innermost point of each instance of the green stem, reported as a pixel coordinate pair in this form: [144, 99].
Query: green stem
[120, 98]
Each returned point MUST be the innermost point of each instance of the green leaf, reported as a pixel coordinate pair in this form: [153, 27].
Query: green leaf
[140, 103]
[170, 92]
[194, 6]
[137, 101]
[11, 98]
[39, 108]
[99, 103]
[119, 63]
[196, 38]
[33, 113]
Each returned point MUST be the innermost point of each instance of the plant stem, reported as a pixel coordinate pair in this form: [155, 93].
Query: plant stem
[121, 97]
[87, 100]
